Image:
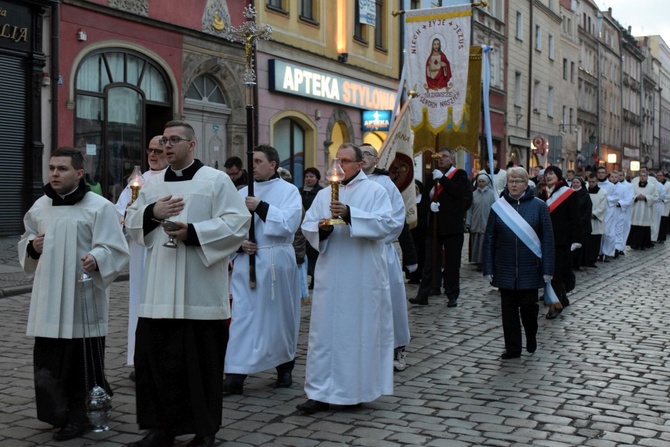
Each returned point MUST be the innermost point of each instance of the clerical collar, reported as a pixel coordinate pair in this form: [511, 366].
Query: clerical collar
[68, 199]
[643, 184]
[346, 182]
[594, 190]
[276, 175]
[180, 172]
[185, 174]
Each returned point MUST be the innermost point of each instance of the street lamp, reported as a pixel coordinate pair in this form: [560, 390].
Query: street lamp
[635, 166]
[611, 158]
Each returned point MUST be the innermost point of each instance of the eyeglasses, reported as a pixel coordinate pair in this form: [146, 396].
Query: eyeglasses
[173, 140]
[154, 151]
[368, 154]
[515, 180]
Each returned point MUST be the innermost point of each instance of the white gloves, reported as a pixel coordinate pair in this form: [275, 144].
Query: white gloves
[435, 206]
[575, 246]
[547, 278]
[437, 174]
[412, 268]
[489, 278]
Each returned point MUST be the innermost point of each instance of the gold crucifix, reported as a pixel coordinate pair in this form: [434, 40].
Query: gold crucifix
[248, 33]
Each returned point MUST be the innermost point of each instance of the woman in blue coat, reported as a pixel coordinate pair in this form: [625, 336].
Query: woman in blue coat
[513, 267]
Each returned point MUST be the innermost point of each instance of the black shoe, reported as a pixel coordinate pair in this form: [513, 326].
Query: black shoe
[420, 299]
[313, 406]
[70, 430]
[435, 292]
[284, 379]
[553, 313]
[232, 386]
[155, 438]
[202, 441]
[531, 344]
[452, 302]
[565, 302]
[508, 355]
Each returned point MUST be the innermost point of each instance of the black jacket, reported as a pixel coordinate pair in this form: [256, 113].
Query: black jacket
[513, 265]
[454, 198]
[565, 218]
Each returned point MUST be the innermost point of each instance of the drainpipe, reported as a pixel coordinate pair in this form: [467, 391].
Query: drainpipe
[530, 78]
[55, 75]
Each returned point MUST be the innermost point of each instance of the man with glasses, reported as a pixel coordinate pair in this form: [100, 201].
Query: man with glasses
[235, 171]
[182, 330]
[450, 197]
[157, 164]
[350, 352]
[397, 284]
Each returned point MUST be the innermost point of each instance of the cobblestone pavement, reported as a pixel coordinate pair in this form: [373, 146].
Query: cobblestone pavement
[600, 376]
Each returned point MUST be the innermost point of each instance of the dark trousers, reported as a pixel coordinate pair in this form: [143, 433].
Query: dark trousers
[639, 237]
[663, 228]
[60, 380]
[236, 379]
[452, 246]
[562, 269]
[593, 248]
[513, 304]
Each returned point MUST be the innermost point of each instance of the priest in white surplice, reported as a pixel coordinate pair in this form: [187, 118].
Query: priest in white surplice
[396, 278]
[350, 350]
[645, 195]
[157, 164]
[598, 198]
[608, 246]
[67, 230]
[182, 330]
[266, 320]
[625, 211]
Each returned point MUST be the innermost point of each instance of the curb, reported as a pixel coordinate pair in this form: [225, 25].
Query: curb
[27, 288]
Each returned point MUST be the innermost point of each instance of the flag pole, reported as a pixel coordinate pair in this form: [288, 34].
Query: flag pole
[248, 33]
[396, 122]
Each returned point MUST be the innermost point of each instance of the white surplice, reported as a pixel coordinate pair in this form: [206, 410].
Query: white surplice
[401, 334]
[70, 232]
[624, 213]
[135, 270]
[642, 210]
[350, 350]
[607, 246]
[598, 211]
[266, 320]
[190, 282]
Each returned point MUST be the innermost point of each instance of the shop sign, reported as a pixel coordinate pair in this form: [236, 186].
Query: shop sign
[374, 120]
[14, 26]
[323, 86]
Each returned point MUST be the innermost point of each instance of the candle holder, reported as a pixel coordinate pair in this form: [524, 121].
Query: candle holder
[335, 175]
[135, 182]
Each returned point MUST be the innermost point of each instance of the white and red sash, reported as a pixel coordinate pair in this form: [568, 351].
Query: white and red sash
[450, 173]
[558, 197]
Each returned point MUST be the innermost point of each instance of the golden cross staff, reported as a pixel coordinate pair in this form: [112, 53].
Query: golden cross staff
[248, 33]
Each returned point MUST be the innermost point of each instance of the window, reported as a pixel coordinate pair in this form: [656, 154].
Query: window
[517, 89]
[120, 97]
[572, 72]
[519, 25]
[536, 97]
[289, 139]
[538, 38]
[276, 5]
[205, 89]
[379, 25]
[307, 10]
[565, 69]
[551, 47]
[358, 27]
[550, 101]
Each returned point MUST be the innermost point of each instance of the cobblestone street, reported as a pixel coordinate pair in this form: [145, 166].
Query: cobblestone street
[600, 376]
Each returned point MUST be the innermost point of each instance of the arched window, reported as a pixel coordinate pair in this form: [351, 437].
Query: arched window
[122, 99]
[289, 140]
[204, 88]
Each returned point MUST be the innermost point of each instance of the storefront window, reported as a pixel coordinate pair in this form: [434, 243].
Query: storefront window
[122, 100]
[289, 140]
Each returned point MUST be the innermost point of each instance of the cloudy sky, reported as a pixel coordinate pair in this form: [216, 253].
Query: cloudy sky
[645, 17]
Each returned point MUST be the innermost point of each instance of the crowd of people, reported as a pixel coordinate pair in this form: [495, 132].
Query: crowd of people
[200, 239]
